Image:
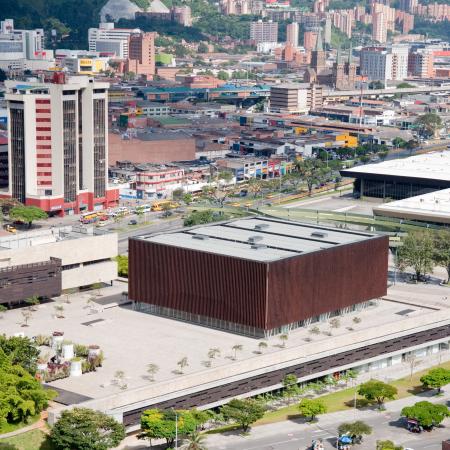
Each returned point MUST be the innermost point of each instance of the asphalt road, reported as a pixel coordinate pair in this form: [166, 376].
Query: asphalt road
[288, 436]
[159, 226]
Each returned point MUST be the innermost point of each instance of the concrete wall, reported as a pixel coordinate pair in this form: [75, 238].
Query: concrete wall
[71, 251]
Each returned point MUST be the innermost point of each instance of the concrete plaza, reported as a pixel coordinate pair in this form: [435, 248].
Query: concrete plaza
[131, 340]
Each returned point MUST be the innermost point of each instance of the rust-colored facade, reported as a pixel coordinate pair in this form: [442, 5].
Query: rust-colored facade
[257, 294]
[23, 281]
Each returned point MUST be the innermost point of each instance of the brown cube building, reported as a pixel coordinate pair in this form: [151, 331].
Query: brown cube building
[257, 276]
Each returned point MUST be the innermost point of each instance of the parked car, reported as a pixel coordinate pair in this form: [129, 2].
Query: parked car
[132, 222]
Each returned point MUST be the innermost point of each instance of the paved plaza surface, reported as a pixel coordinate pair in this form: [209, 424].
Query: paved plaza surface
[131, 340]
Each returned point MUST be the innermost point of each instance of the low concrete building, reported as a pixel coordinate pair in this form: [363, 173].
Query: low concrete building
[48, 261]
[431, 208]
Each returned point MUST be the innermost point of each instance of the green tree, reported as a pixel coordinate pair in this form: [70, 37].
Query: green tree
[222, 75]
[243, 412]
[27, 214]
[405, 85]
[187, 198]
[312, 171]
[199, 217]
[236, 348]
[32, 301]
[416, 252]
[83, 428]
[3, 309]
[436, 378]
[312, 407]
[177, 194]
[375, 390]
[441, 255]
[122, 265]
[152, 370]
[357, 428]
[21, 395]
[21, 351]
[156, 424]
[376, 85]
[426, 413]
[388, 445]
[399, 142]
[428, 124]
[262, 346]
[290, 385]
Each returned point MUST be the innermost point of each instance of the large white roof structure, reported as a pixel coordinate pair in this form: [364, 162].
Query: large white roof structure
[431, 166]
[433, 207]
[259, 238]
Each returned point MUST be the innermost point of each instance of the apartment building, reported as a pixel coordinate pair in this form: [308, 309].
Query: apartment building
[421, 63]
[141, 54]
[108, 39]
[383, 64]
[152, 180]
[58, 144]
[292, 31]
[295, 97]
[264, 31]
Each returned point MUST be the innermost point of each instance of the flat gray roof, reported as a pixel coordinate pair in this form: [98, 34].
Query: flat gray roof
[259, 238]
[432, 166]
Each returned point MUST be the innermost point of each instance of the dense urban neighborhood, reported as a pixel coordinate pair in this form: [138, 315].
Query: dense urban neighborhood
[225, 225]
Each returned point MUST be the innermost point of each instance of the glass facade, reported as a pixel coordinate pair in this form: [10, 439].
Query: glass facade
[239, 328]
[70, 150]
[99, 147]
[17, 151]
[396, 190]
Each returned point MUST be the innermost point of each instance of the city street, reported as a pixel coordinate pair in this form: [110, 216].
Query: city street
[296, 434]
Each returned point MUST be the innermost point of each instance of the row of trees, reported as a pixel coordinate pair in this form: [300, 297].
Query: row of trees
[423, 250]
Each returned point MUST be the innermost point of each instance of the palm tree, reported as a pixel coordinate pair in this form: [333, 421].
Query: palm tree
[236, 348]
[195, 441]
[213, 352]
[32, 302]
[262, 346]
[152, 369]
[283, 338]
[182, 363]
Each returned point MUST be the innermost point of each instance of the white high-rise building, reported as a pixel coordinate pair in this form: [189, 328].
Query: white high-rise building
[58, 144]
[292, 30]
[384, 64]
[108, 39]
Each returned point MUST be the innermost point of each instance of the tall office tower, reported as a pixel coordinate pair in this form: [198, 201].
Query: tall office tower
[106, 38]
[292, 34]
[264, 31]
[318, 56]
[379, 31]
[327, 31]
[141, 54]
[58, 144]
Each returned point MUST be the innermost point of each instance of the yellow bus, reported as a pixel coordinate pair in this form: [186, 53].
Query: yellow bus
[159, 206]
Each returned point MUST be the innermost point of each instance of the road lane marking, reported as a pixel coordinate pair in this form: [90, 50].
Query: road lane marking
[345, 208]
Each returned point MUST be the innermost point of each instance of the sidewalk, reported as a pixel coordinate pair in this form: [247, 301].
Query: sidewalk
[40, 424]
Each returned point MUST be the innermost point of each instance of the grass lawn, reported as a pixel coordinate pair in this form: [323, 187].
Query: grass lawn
[342, 400]
[8, 427]
[32, 440]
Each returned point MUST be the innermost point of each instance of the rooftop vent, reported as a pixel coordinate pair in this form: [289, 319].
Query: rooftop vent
[261, 226]
[253, 239]
[258, 246]
[319, 234]
[200, 237]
